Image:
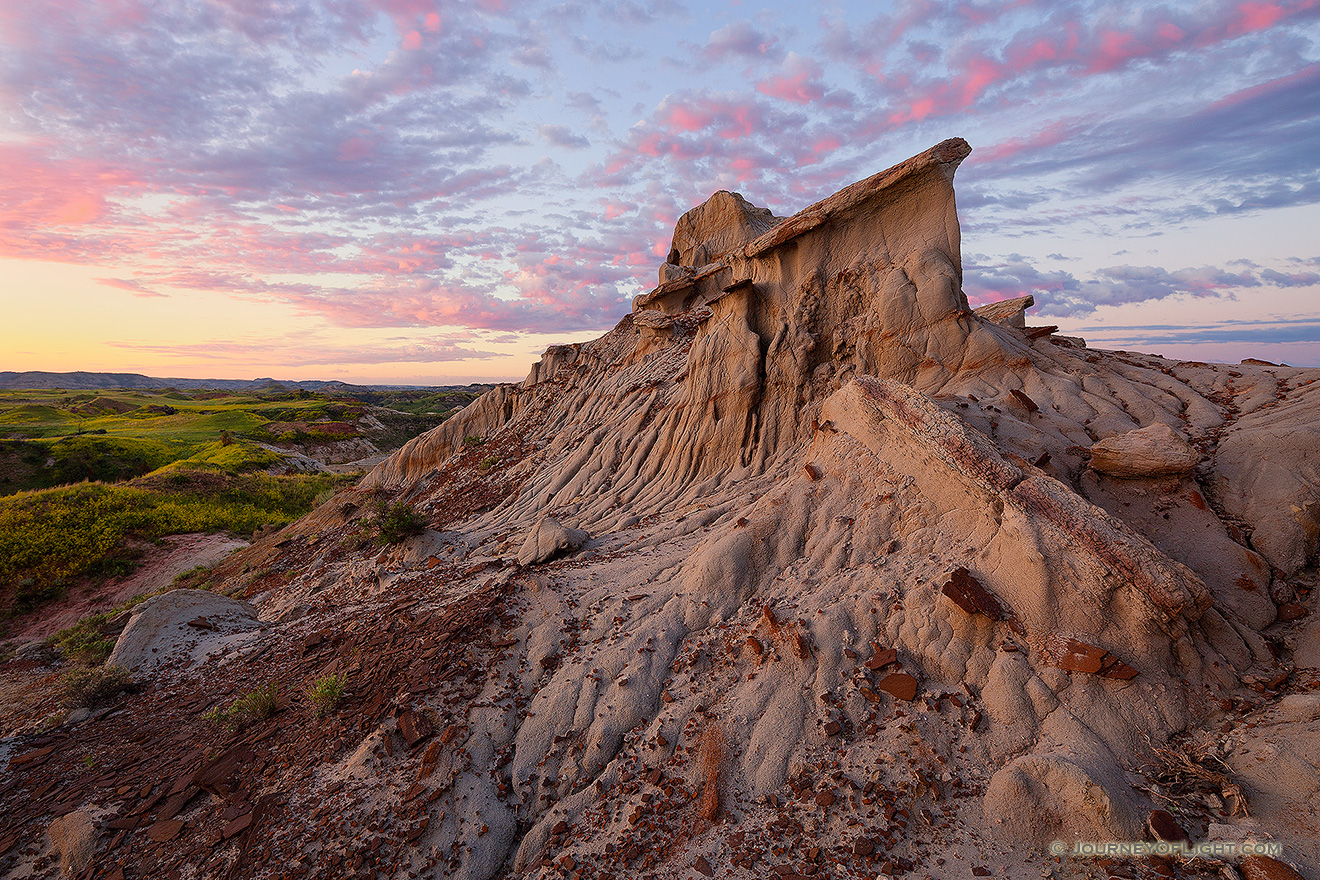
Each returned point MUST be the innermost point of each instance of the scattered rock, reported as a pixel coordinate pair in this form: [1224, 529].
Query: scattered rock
[1073, 656]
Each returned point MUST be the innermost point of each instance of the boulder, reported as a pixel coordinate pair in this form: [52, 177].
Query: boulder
[1040, 798]
[73, 836]
[721, 223]
[548, 539]
[1153, 451]
[173, 625]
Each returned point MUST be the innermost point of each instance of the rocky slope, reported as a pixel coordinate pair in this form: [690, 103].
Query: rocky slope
[804, 568]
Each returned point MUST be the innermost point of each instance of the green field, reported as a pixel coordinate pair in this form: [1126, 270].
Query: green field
[86, 477]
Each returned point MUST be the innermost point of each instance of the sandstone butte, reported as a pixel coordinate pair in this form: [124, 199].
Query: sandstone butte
[802, 570]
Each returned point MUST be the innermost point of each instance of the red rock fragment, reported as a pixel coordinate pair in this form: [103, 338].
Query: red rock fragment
[414, 727]
[754, 645]
[237, 826]
[1071, 655]
[811, 471]
[980, 871]
[701, 866]
[833, 728]
[825, 798]
[30, 757]
[1292, 611]
[900, 684]
[165, 830]
[863, 846]
[1259, 867]
[1025, 401]
[880, 659]
[968, 594]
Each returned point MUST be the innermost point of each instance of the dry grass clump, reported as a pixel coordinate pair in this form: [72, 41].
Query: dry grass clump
[89, 686]
[1194, 770]
[710, 761]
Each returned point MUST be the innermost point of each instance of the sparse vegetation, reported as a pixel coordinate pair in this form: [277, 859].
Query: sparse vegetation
[326, 692]
[256, 705]
[472, 440]
[90, 686]
[396, 522]
[488, 462]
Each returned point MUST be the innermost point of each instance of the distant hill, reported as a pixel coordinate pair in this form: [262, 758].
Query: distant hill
[83, 381]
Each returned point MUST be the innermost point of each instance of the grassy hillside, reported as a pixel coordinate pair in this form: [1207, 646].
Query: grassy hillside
[87, 477]
[53, 438]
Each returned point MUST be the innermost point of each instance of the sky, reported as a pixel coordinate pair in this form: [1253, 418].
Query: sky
[423, 192]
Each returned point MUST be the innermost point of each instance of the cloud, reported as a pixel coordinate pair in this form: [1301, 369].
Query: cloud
[136, 288]
[310, 350]
[739, 40]
[563, 136]
[1062, 294]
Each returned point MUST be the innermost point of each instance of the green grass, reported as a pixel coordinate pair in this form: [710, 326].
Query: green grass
[326, 692]
[50, 537]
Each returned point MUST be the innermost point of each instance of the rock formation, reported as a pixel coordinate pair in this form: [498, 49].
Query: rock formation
[875, 583]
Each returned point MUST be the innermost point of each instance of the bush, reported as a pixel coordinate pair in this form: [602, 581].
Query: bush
[488, 462]
[473, 440]
[255, 705]
[326, 692]
[92, 685]
[396, 522]
[83, 642]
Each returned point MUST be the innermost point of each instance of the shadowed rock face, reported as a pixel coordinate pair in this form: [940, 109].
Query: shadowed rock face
[803, 506]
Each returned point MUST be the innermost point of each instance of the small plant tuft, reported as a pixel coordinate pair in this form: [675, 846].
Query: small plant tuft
[473, 440]
[326, 692]
[488, 462]
[90, 686]
[396, 522]
[257, 705]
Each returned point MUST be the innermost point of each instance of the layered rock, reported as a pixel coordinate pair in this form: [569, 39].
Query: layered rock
[836, 517]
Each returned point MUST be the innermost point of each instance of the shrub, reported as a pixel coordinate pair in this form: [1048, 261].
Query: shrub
[326, 692]
[83, 642]
[395, 522]
[89, 686]
[473, 440]
[256, 705]
[488, 462]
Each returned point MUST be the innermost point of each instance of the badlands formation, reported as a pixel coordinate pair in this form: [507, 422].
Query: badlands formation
[805, 569]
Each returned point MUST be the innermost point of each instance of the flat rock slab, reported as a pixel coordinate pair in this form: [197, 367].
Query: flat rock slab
[165, 629]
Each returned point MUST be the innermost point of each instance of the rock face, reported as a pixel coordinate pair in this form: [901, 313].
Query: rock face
[1153, 451]
[864, 563]
[171, 627]
[721, 223]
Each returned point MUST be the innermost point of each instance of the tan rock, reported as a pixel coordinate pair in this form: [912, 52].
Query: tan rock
[1153, 451]
[73, 836]
[1008, 312]
[721, 223]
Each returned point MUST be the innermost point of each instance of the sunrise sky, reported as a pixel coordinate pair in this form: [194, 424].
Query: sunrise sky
[428, 192]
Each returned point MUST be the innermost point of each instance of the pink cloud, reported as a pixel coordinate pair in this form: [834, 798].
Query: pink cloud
[798, 81]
